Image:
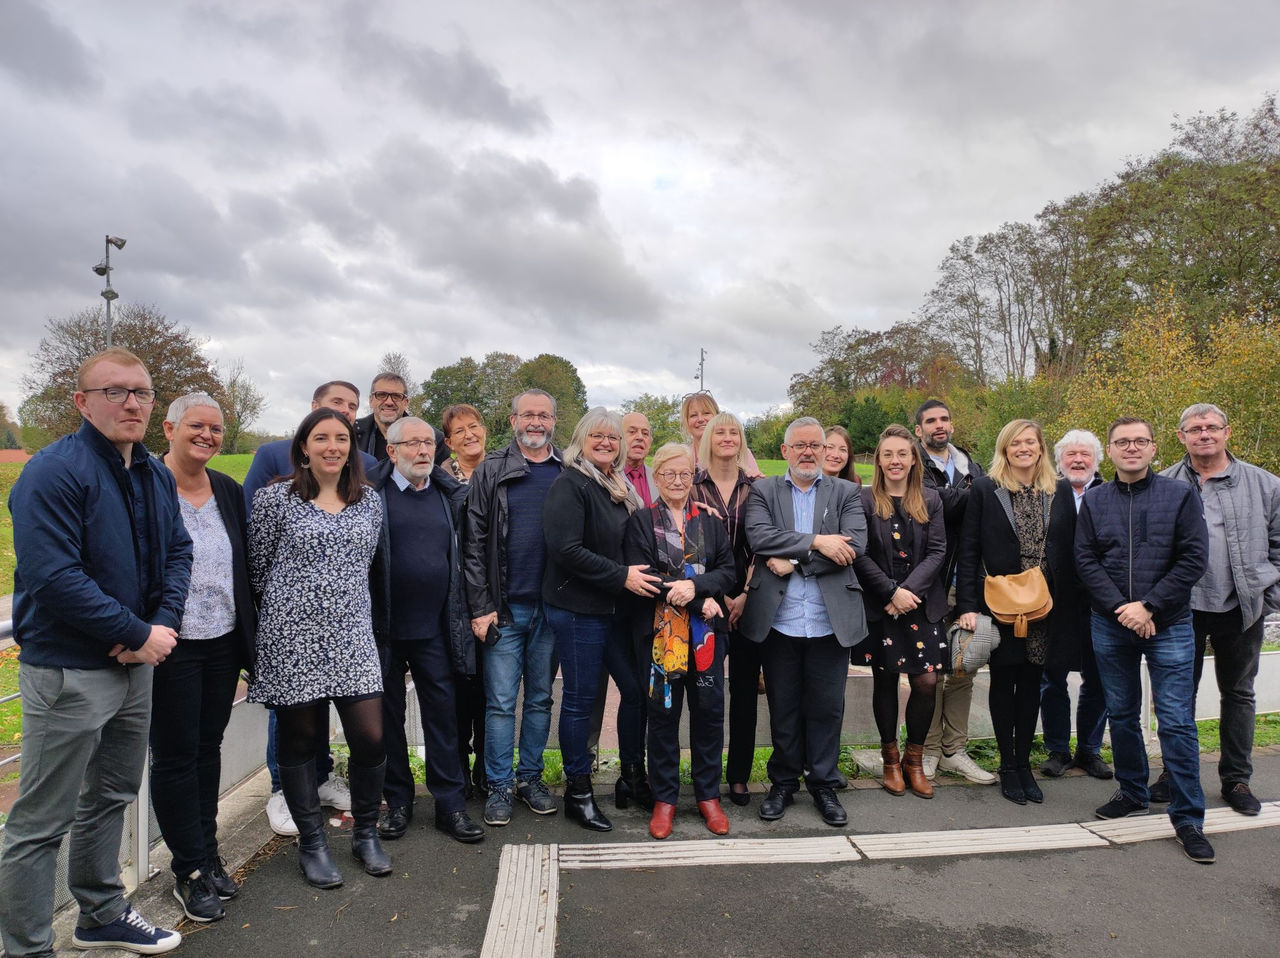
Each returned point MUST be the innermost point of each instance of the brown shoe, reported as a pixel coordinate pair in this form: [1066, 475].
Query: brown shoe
[713, 815]
[660, 822]
[892, 781]
[913, 766]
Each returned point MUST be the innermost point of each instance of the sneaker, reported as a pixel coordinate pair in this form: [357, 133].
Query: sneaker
[222, 883]
[1159, 790]
[1239, 797]
[930, 765]
[1194, 844]
[196, 895]
[1057, 764]
[497, 807]
[333, 792]
[129, 932]
[278, 815]
[534, 794]
[1091, 764]
[1121, 806]
[961, 764]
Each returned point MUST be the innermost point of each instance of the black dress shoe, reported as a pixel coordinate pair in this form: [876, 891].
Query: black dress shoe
[739, 798]
[459, 827]
[829, 807]
[775, 803]
[1057, 764]
[395, 822]
[1091, 764]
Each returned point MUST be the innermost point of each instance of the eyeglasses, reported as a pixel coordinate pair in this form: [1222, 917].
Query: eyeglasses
[381, 396]
[118, 394]
[1142, 442]
[668, 476]
[608, 437]
[1202, 430]
[807, 446]
[413, 445]
[202, 426]
[536, 417]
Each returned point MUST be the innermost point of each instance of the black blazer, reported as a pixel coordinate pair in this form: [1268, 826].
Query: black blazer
[230, 499]
[1069, 631]
[928, 546]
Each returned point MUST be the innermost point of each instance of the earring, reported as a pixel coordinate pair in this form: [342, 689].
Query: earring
[306, 463]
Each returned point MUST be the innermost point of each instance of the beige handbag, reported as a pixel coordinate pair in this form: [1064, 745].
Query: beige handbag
[1018, 599]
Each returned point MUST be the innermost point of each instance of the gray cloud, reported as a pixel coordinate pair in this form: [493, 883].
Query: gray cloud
[42, 54]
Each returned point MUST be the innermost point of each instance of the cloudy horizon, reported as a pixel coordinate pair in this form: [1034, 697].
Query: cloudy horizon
[310, 186]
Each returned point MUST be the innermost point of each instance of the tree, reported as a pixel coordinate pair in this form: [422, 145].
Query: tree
[765, 432]
[245, 403]
[865, 418]
[171, 354]
[448, 385]
[9, 429]
[663, 413]
[396, 363]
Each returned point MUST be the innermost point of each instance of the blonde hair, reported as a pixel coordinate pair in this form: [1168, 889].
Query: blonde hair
[121, 357]
[696, 399]
[1001, 472]
[704, 444]
[913, 499]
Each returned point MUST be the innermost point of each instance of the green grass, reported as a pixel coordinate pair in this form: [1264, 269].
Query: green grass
[10, 712]
[777, 467]
[8, 476]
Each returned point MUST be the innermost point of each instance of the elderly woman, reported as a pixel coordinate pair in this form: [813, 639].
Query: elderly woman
[696, 410]
[723, 484]
[837, 458]
[906, 602]
[1006, 524]
[194, 687]
[584, 518]
[312, 538]
[686, 629]
[465, 435]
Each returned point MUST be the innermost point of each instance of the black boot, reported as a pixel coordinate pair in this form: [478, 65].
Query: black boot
[633, 786]
[366, 802]
[1030, 787]
[298, 782]
[580, 805]
[1011, 785]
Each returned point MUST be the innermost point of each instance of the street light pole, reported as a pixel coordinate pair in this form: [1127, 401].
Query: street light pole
[103, 269]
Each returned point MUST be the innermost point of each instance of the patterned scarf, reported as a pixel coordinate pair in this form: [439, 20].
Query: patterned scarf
[677, 630]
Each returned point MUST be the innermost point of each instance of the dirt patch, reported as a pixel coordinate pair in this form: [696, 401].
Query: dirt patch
[13, 455]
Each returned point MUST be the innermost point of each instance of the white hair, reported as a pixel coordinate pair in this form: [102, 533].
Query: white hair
[1078, 437]
[178, 408]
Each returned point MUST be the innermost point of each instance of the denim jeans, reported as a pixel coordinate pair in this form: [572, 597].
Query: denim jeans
[525, 650]
[1170, 655]
[1055, 709]
[1236, 653]
[587, 645]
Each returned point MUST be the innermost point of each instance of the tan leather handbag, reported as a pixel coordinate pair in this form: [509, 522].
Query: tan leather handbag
[1018, 599]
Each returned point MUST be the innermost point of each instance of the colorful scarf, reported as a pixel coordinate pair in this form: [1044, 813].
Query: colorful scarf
[676, 631]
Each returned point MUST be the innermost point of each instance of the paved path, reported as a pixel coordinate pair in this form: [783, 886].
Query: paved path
[787, 888]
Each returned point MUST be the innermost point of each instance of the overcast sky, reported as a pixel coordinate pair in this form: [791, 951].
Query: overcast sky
[309, 185]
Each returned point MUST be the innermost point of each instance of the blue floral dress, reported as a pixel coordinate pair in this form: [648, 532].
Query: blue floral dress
[311, 572]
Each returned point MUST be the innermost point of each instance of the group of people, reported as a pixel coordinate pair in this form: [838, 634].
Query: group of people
[364, 550]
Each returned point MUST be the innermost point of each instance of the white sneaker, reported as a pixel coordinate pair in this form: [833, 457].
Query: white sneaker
[278, 815]
[930, 763]
[333, 792]
[961, 764]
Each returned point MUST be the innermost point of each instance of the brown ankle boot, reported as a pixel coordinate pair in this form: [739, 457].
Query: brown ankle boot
[913, 765]
[893, 783]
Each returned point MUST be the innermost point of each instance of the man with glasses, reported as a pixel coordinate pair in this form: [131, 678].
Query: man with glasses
[420, 621]
[805, 605]
[503, 558]
[1141, 546]
[103, 565]
[1240, 586]
[388, 401]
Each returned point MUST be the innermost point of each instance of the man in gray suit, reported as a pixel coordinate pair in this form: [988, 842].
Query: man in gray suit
[805, 604]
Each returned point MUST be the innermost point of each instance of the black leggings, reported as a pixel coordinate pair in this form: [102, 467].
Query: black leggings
[919, 712]
[1015, 706]
[298, 727]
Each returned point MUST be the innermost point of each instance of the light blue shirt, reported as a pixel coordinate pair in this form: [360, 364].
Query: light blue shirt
[802, 612]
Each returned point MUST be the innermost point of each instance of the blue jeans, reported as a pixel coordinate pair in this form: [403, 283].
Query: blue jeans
[587, 645]
[525, 650]
[1170, 655]
[1055, 710]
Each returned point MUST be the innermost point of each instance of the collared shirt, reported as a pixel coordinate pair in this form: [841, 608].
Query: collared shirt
[402, 483]
[947, 465]
[803, 612]
[640, 482]
[1216, 590]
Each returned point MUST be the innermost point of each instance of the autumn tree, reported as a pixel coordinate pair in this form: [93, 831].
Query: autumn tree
[171, 354]
[244, 404]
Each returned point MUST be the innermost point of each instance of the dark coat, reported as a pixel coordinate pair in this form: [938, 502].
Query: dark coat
[928, 546]
[462, 643]
[1069, 631]
[584, 529]
[230, 498]
[955, 496]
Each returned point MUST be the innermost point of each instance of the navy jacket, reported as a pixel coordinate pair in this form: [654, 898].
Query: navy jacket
[88, 576]
[1144, 541]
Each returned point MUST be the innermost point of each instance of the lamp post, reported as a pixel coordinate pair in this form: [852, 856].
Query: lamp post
[103, 269]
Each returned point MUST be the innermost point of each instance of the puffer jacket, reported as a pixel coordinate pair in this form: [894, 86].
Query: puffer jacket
[1141, 541]
[1249, 499]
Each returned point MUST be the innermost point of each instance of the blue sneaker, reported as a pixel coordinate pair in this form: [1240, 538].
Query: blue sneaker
[129, 932]
[497, 807]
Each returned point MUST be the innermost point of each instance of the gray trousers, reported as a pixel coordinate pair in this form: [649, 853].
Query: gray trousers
[84, 742]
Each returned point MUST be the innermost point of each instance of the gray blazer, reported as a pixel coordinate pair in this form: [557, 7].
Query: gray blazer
[770, 524]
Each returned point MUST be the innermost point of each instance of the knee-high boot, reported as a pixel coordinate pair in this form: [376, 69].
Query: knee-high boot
[366, 802]
[298, 782]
